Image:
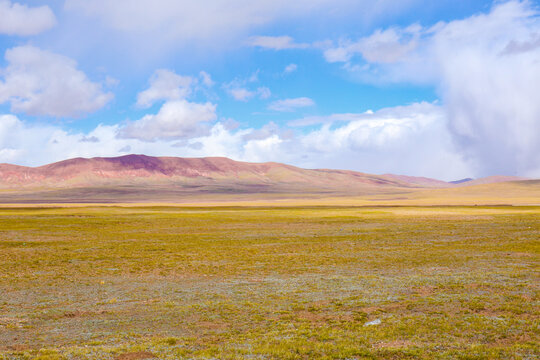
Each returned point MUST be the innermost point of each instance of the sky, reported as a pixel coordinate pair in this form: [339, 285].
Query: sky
[445, 89]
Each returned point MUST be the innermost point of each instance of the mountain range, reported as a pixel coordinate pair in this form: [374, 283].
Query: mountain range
[133, 176]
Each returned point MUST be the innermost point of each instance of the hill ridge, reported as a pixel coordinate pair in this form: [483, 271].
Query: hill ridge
[149, 170]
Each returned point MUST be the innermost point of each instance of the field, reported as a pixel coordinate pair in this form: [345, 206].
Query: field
[268, 282]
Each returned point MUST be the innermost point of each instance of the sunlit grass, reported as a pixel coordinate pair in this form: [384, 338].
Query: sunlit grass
[270, 283]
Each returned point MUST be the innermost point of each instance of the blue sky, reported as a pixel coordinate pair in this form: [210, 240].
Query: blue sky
[444, 89]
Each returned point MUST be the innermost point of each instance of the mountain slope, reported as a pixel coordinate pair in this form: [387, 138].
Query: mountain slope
[419, 181]
[491, 180]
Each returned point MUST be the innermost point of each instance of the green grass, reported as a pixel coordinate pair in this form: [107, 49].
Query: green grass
[270, 283]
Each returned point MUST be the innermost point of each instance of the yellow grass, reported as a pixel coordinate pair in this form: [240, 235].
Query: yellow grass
[274, 282]
[518, 193]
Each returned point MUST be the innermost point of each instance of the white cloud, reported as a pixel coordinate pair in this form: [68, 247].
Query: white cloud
[386, 113]
[290, 68]
[178, 22]
[390, 45]
[328, 119]
[182, 20]
[266, 131]
[241, 94]
[166, 85]
[291, 104]
[338, 54]
[383, 46]
[39, 82]
[239, 90]
[17, 19]
[487, 71]
[370, 131]
[264, 92]
[206, 79]
[410, 140]
[276, 42]
[175, 120]
[37, 144]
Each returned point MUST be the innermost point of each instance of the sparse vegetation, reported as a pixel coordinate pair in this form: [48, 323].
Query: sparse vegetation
[269, 283]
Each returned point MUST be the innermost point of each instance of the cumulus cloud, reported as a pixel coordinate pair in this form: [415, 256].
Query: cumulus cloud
[25, 143]
[166, 85]
[40, 82]
[17, 19]
[293, 104]
[276, 42]
[175, 120]
[486, 69]
[408, 140]
[371, 130]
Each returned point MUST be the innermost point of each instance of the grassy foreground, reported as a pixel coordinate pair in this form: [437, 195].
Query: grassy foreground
[270, 283]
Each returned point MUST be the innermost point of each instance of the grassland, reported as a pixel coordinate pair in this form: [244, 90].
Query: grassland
[525, 192]
[270, 282]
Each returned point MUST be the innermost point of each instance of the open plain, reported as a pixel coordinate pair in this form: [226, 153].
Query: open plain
[269, 282]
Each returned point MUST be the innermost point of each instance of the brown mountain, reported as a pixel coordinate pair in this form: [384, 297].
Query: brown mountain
[142, 169]
[140, 177]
